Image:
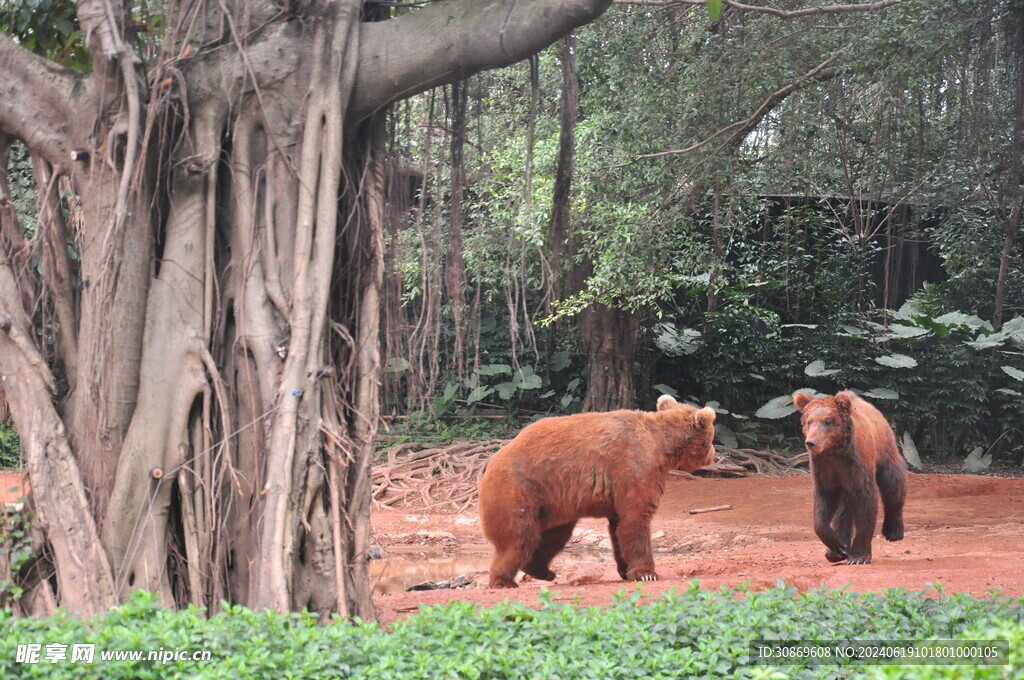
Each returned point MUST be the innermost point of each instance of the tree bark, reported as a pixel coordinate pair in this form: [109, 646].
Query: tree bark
[205, 427]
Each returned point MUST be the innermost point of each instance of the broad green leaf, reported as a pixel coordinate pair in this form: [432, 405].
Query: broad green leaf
[559, 361]
[908, 311]
[961, 319]
[505, 390]
[1014, 373]
[1009, 392]
[975, 462]
[726, 436]
[905, 331]
[881, 393]
[897, 361]
[676, 341]
[817, 369]
[495, 369]
[665, 389]
[779, 407]
[449, 391]
[910, 452]
[529, 382]
[714, 9]
[479, 393]
[717, 408]
[985, 343]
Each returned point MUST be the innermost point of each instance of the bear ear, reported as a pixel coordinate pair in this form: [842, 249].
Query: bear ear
[844, 402]
[801, 400]
[704, 418]
[666, 401]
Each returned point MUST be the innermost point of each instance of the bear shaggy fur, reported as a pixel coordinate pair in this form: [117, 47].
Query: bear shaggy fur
[610, 465]
[853, 459]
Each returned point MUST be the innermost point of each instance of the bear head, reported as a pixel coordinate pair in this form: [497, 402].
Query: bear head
[826, 421]
[697, 449]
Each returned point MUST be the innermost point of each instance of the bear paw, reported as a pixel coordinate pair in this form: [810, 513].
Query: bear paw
[893, 533]
[546, 575]
[502, 582]
[834, 557]
[859, 559]
[641, 574]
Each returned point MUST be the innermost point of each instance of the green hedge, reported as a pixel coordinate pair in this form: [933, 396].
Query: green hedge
[693, 633]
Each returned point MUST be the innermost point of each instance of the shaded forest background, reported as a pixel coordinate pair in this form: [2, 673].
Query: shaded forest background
[723, 210]
[726, 211]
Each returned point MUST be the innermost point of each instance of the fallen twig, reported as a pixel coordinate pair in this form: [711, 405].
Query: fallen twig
[698, 511]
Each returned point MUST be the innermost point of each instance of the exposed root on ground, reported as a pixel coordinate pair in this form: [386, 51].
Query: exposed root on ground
[432, 478]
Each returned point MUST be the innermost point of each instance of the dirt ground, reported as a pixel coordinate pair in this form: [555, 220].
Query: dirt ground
[963, 531]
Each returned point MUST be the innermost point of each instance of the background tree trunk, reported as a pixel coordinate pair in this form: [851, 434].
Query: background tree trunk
[203, 427]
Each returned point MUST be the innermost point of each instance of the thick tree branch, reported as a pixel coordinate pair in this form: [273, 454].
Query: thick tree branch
[40, 103]
[454, 39]
[741, 128]
[784, 14]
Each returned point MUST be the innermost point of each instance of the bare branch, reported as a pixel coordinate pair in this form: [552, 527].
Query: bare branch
[785, 14]
[742, 127]
[40, 103]
[450, 40]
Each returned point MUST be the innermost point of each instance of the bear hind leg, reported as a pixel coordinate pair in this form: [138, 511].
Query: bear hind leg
[892, 484]
[511, 554]
[551, 543]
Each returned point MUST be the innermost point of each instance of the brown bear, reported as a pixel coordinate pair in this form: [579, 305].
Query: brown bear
[853, 459]
[609, 465]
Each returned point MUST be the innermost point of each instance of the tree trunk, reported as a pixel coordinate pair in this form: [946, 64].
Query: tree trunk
[1012, 195]
[202, 427]
[610, 337]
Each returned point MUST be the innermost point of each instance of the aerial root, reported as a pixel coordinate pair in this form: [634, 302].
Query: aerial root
[433, 478]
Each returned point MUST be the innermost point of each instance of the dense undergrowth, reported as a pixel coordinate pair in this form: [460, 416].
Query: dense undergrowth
[692, 633]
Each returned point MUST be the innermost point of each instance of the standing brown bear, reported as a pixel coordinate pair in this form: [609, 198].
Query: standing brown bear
[853, 458]
[609, 465]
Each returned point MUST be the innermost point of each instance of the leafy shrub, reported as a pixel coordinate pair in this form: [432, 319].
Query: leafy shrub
[692, 633]
[10, 447]
[1008, 630]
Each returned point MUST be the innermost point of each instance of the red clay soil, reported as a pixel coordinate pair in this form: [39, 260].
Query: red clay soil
[12, 486]
[965, 532]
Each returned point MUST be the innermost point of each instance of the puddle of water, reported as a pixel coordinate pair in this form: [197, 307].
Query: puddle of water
[403, 566]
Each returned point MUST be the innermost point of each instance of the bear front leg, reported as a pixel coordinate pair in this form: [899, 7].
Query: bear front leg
[826, 502]
[620, 563]
[551, 543]
[634, 537]
[865, 515]
[843, 522]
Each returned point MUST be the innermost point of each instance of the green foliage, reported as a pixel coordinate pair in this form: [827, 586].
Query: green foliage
[10, 447]
[16, 549]
[689, 633]
[48, 28]
[1009, 630]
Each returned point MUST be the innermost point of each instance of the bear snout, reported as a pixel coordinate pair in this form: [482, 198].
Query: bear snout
[811, 444]
[709, 458]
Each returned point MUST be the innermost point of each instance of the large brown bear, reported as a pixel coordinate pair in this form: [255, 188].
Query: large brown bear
[853, 458]
[609, 465]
